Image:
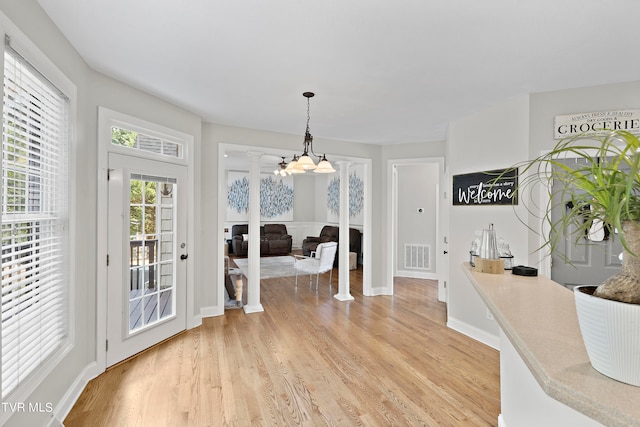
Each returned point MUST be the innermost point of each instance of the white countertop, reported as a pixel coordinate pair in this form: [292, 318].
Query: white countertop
[539, 318]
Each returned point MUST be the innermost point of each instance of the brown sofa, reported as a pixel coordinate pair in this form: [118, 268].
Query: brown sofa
[330, 233]
[274, 240]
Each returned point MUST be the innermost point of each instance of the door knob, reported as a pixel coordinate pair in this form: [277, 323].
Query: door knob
[445, 252]
[184, 256]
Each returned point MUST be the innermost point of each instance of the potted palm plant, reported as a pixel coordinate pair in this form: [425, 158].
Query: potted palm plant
[602, 191]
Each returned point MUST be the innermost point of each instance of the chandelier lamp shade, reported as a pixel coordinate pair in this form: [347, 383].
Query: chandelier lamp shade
[291, 167]
[324, 166]
[304, 162]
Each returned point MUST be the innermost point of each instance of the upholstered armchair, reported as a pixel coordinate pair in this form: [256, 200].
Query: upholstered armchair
[330, 233]
[239, 242]
[279, 241]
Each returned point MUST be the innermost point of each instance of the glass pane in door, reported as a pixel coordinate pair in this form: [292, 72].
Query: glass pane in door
[151, 250]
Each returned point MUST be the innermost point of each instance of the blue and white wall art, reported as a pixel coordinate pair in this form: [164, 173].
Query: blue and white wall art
[356, 197]
[276, 197]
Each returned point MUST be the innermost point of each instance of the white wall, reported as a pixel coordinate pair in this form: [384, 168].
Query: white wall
[211, 189]
[416, 187]
[304, 197]
[495, 138]
[321, 211]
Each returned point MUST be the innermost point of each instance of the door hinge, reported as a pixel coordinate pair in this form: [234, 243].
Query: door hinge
[106, 345]
[107, 260]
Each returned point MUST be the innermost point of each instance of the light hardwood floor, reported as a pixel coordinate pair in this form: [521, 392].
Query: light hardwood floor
[308, 360]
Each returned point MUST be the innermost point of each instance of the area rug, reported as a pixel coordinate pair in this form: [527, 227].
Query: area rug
[270, 267]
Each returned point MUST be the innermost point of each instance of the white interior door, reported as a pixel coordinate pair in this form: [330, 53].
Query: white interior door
[147, 250]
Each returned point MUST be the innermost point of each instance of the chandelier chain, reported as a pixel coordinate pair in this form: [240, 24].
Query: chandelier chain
[308, 114]
[308, 139]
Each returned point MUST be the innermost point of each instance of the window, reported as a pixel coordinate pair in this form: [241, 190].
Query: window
[140, 141]
[34, 220]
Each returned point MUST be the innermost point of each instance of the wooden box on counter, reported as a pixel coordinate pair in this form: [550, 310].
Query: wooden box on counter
[493, 266]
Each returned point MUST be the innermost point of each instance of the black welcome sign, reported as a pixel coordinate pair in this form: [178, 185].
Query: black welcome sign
[495, 187]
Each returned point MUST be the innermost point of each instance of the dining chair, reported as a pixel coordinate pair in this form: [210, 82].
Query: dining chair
[320, 261]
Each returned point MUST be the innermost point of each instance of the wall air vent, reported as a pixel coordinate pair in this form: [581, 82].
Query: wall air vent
[417, 256]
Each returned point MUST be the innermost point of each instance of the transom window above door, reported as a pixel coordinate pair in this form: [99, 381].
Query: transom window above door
[140, 141]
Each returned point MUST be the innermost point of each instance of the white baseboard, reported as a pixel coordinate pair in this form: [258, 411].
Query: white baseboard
[211, 311]
[477, 334]
[344, 297]
[416, 274]
[379, 291]
[195, 321]
[69, 399]
[501, 422]
[54, 422]
[257, 308]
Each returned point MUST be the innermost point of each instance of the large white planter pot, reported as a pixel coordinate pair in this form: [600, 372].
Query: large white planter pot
[611, 334]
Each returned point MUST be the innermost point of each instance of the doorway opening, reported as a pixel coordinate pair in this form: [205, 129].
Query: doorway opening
[418, 245]
[308, 210]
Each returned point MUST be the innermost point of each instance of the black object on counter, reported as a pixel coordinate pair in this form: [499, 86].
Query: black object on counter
[521, 270]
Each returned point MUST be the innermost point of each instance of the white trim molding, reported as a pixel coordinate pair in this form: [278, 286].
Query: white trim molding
[474, 332]
[69, 399]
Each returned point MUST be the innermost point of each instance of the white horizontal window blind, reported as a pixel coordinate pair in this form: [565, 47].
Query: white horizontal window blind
[34, 220]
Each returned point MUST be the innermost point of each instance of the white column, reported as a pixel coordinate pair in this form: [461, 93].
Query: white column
[343, 260]
[253, 287]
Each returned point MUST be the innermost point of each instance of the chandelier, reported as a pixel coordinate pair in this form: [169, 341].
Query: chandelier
[304, 162]
[282, 169]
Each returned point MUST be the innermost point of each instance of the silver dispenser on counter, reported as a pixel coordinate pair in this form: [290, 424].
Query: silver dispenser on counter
[488, 244]
[490, 248]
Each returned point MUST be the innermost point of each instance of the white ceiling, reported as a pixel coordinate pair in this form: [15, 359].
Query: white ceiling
[384, 71]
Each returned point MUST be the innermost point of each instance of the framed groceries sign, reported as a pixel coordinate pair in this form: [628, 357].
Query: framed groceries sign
[484, 188]
[592, 123]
